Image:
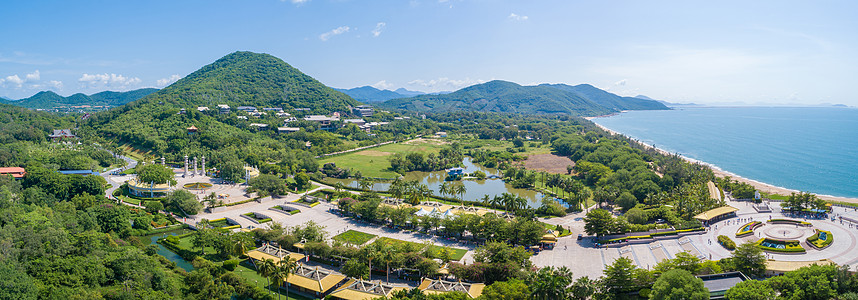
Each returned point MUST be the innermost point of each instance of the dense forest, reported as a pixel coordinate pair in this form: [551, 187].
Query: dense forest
[49, 99]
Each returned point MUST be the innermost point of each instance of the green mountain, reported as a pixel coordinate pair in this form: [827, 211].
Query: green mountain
[609, 100]
[253, 79]
[371, 94]
[503, 96]
[509, 97]
[241, 78]
[50, 100]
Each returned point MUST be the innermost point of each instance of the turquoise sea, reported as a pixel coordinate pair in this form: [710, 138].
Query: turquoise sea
[807, 149]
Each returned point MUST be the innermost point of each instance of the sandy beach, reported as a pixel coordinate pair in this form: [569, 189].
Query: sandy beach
[761, 186]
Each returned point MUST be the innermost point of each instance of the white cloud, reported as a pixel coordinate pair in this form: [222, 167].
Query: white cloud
[13, 80]
[298, 1]
[32, 76]
[444, 84]
[621, 82]
[108, 80]
[378, 27]
[169, 80]
[382, 85]
[336, 31]
[513, 16]
[55, 84]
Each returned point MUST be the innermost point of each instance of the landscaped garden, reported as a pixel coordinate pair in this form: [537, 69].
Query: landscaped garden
[259, 219]
[748, 228]
[788, 221]
[354, 237]
[725, 241]
[772, 245]
[821, 239]
[435, 251]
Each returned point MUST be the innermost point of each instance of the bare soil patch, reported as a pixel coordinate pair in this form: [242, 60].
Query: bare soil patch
[548, 162]
[418, 141]
[374, 153]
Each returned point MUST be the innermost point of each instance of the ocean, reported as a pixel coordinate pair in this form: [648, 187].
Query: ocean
[801, 148]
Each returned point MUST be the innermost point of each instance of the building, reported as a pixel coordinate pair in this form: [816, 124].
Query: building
[273, 253]
[456, 171]
[247, 109]
[777, 267]
[325, 122]
[59, 135]
[259, 126]
[432, 286]
[288, 129]
[441, 134]
[282, 114]
[78, 172]
[718, 284]
[223, 108]
[192, 130]
[314, 281]
[358, 122]
[274, 109]
[15, 172]
[716, 214]
[202, 108]
[356, 289]
[363, 111]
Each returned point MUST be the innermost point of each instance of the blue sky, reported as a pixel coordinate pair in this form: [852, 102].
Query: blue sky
[682, 51]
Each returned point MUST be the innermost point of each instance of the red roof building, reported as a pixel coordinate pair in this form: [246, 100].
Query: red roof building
[16, 172]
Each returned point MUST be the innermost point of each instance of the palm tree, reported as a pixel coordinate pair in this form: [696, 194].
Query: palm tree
[240, 241]
[265, 269]
[370, 252]
[445, 188]
[282, 271]
[365, 184]
[397, 188]
[388, 255]
[460, 190]
[338, 187]
[486, 200]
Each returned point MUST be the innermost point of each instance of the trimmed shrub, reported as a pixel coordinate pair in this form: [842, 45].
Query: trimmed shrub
[726, 242]
[230, 264]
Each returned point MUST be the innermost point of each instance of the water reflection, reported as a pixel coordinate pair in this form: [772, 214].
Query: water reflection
[170, 255]
[476, 189]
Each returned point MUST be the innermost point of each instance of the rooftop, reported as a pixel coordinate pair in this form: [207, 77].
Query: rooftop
[315, 279]
[431, 286]
[715, 212]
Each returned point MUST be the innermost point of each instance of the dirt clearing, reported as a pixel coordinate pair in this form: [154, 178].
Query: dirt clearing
[548, 162]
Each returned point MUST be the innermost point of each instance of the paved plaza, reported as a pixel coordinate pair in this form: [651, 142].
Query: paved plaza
[584, 260]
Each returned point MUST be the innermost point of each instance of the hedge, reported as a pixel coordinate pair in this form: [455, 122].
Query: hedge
[791, 246]
[750, 228]
[638, 237]
[815, 241]
[726, 242]
[788, 221]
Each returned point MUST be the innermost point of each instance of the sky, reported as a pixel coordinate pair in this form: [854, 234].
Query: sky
[708, 52]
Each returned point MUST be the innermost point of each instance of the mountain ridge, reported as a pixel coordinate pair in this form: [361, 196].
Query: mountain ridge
[510, 97]
[52, 100]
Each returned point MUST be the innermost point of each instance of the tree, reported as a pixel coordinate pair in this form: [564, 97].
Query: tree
[550, 283]
[232, 170]
[636, 216]
[16, 283]
[365, 184]
[749, 259]
[598, 222]
[269, 184]
[626, 201]
[752, 290]
[184, 201]
[583, 288]
[512, 289]
[355, 268]
[302, 181]
[265, 268]
[679, 284]
[623, 277]
[282, 271]
[156, 173]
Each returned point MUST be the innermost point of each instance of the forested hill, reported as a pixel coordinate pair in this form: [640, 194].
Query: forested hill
[609, 100]
[50, 100]
[504, 96]
[371, 94]
[241, 78]
[253, 79]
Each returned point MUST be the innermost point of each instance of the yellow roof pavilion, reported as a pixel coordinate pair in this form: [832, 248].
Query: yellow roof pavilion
[364, 290]
[273, 253]
[314, 279]
[715, 212]
[431, 286]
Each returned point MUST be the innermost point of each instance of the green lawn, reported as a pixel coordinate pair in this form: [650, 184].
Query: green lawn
[127, 199]
[245, 270]
[373, 162]
[455, 253]
[354, 237]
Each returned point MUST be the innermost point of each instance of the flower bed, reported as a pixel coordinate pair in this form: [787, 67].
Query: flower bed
[649, 236]
[748, 228]
[788, 221]
[788, 246]
[821, 239]
[253, 216]
[726, 242]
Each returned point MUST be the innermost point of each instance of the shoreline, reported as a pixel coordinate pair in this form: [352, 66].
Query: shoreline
[761, 186]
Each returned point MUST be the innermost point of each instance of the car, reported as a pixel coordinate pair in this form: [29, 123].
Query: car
[580, 236]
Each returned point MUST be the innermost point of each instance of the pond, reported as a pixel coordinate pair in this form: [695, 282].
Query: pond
[170, 255]
[475, 189]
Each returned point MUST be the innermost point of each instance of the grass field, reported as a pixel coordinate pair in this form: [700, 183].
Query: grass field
[373, 162]
[455, 253]
[354, 237]
[245, 270]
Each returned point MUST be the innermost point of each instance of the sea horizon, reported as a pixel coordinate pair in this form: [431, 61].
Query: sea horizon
[758, 162]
